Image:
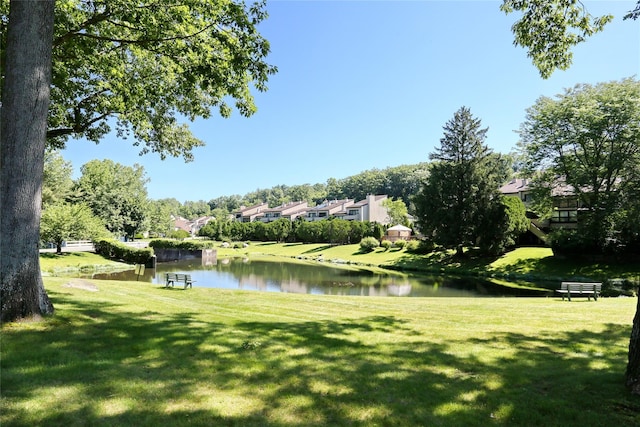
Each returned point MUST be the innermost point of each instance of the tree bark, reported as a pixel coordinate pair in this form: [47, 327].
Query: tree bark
[633, 367]
[23, 127]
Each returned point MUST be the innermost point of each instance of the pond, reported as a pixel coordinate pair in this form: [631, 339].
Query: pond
[278, 275]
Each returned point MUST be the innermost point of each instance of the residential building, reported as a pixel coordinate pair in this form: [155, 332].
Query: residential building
[190, 226]
[566, 203]
[290, 211]
[327, 209]
[249, 214]
[517, 187]
[369, 209]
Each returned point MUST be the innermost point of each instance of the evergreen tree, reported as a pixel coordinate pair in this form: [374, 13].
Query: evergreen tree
[461, 192]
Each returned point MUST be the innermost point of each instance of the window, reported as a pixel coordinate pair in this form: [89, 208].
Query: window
[354, 211]
[564, 216]
[567, 203]
[322, 214]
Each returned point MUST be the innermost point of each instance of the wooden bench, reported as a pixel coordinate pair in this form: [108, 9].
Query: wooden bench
[173, 278]
[582, 289]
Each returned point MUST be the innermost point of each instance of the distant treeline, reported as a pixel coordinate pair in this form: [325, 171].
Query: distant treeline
[399, 182]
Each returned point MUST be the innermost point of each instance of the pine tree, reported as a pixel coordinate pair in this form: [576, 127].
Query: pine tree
[461, 192]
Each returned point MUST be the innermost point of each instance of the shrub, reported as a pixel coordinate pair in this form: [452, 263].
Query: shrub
[420, 247]
[386, 244]
[190, 245]
[368, 244]
[113, 249]
[179, 234]
[400, 243]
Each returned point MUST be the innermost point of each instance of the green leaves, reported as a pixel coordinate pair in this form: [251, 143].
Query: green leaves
[141, 69]
[587, 141]
[63, 221]
[550, 28]
[115, 193]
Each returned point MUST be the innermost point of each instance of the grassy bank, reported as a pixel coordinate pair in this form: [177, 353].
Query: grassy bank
[527, 264]
[59, 264]
[130, 353]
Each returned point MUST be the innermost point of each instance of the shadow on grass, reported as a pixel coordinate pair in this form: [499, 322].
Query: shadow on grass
[155, 369]
[318, 249]
[55, 255]
[441, 260]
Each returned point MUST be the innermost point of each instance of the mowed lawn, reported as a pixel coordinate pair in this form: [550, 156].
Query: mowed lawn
[136, 354]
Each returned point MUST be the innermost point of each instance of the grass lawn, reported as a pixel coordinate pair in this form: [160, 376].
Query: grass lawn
[58, 264]
[136, 354]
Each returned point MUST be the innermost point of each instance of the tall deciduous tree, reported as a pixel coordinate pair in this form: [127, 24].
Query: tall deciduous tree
[64, 221]
[57, 183]
[396, 211]
[26, 71]
[115, 193]
[462, 188]
[587, 140]
[139, 67]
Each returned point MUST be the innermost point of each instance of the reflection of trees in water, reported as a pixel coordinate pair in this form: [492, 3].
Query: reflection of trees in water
[293, 277]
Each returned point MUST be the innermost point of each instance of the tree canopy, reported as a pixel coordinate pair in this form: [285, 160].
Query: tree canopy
[549, 29]
[141, 69]
[115, 193]
[57, 183]
[586, 142]
[64, 221]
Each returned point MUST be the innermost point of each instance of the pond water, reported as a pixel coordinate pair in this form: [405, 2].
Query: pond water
[315, 278]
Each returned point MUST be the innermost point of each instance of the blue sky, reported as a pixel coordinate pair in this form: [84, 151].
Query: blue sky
[369, 84]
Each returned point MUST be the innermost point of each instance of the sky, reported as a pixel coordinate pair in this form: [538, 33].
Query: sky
[370, 84]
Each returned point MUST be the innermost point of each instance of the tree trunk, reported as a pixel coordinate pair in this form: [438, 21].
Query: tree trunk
[23, 127]
[633, 367]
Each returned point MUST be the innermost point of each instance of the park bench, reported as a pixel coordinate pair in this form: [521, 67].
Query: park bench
[582, 289]
[173, 278]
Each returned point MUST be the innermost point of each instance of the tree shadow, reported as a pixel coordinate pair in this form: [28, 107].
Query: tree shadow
[318, 249]
[170, 369]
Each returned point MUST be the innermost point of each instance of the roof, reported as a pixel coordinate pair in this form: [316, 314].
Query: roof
[399, 227]
[287, 206]
[326, 205]
[515, 186]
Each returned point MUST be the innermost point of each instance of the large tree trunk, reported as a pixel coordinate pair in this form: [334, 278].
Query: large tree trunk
[633, 367]
[23, 127]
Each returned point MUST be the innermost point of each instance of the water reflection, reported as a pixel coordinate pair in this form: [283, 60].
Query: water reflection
[313, 278]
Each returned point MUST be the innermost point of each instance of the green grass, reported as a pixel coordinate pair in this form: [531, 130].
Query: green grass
[58, 264]
[136, 354]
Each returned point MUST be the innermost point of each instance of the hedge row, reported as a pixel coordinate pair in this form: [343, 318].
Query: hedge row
[190, 245]
[113, 249]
